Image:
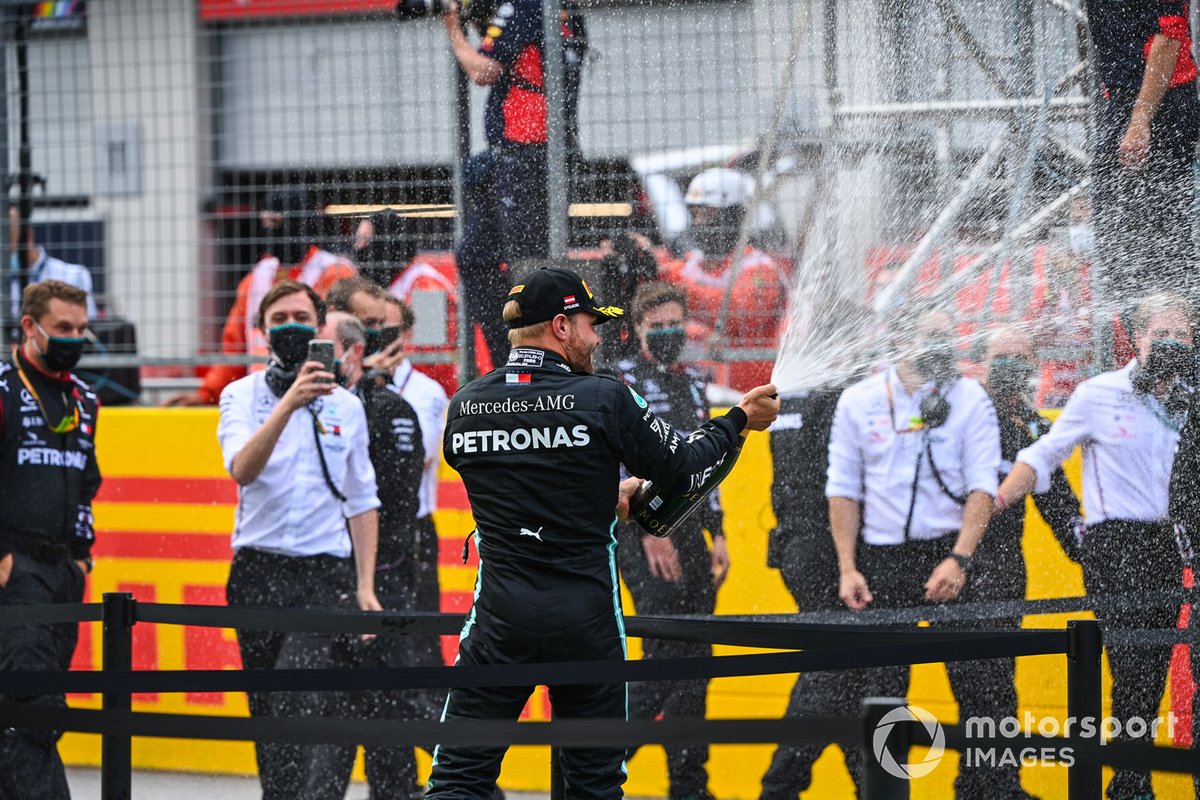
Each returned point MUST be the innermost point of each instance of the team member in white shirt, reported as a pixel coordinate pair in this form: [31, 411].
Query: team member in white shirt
[914, 458]
[916, 488]
[296, 443]
[1127, 422]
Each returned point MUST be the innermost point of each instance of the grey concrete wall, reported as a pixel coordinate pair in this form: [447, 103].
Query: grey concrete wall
[144, 62]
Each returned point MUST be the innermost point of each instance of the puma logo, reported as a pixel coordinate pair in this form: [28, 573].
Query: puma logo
[535, 534]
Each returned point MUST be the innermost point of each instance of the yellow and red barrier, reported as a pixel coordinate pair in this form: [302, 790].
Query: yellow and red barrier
[163, 521]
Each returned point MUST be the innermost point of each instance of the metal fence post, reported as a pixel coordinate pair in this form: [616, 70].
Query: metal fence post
[116, 751]
[1085, 777]
[558, 781]
[880, 783]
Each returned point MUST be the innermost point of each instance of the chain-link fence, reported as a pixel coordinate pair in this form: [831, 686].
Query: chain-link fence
[933, 139]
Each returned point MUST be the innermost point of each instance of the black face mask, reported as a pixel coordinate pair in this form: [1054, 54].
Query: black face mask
[665, 344]
[716, 240]
[290, 241]
[289, 344]
[372, 345]
[1170, 359]
[935, 362]
[62, 353]
[1009, 377]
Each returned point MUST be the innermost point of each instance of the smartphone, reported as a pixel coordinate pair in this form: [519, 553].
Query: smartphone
[321, 350]
[387, 335]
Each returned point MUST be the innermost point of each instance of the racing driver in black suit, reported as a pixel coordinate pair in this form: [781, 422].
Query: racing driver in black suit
[539, 444]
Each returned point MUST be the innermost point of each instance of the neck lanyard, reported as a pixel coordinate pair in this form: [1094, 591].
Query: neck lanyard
[400, 389]
[915, 424]
[64, 425]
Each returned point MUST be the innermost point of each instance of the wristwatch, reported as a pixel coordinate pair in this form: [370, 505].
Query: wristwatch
[964, 562]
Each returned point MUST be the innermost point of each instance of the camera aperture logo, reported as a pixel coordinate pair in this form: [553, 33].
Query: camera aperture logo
[1007, 741]
[917, 769]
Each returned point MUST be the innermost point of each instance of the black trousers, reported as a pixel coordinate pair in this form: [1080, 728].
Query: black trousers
[263, 579]
[1121, 557]
[987, 688]
[391, 771]
[1144, 220]
[808, 565]
[526, 615]
[694, 594]
[30, 767]
[897, 576]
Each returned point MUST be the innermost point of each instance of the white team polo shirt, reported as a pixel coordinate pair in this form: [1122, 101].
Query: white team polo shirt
[875, 459]
[290, 509]
[1128, 442]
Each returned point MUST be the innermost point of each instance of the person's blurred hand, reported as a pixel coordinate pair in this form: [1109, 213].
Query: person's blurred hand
[185, 399]
[662, 558]
[387, 359]
[946, 582]
[854, 591]
[1134, 150]
[5, 569]
[720, 561]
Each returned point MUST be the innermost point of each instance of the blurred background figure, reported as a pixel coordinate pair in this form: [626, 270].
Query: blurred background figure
[801, 548]
[680, 574]
[506, 217]
[745, 292]
[31, 264]
[290, 229]
[384, 244]
[1128, 423]
[1062, 318]
[629, 261]
[1145, 195]
[429, 400]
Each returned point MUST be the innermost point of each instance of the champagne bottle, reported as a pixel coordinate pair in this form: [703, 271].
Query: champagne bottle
[660, 514]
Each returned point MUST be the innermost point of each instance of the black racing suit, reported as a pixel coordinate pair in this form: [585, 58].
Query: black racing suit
[676, 396]
[47, 483]
[398, 458]
[540, 448]
[801, 548]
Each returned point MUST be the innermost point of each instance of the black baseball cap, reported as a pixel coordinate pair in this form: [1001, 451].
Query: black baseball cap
[550, 291]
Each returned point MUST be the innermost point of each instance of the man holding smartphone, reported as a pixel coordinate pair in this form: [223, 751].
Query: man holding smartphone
[296, 443]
